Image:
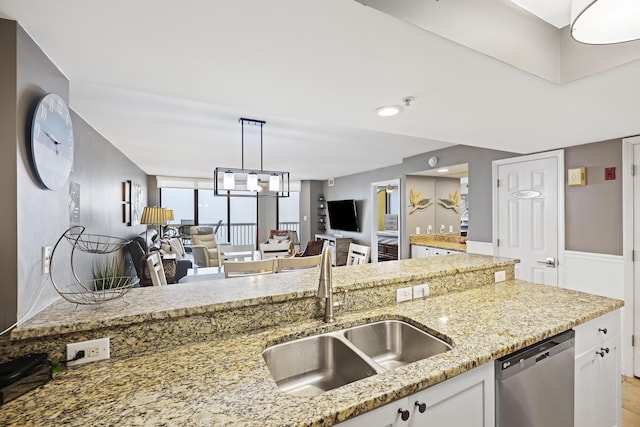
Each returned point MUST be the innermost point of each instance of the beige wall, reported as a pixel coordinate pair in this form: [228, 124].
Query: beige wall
[594, 212]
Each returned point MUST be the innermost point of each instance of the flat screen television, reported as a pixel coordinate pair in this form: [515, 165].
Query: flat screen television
[343, 215]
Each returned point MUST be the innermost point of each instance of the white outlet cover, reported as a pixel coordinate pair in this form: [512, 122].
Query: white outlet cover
[404, 294]
[102, 344]
[500, 276]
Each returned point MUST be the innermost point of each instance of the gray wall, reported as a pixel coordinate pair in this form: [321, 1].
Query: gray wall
[358, 186]
[480, 196]
[594, 212]
[34, 217]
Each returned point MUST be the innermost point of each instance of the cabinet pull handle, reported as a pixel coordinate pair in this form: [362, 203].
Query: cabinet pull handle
[421, 407]
[601, 353]
[603, 330]
[404, 414]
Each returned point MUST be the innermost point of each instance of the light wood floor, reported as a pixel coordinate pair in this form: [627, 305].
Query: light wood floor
[630, 402]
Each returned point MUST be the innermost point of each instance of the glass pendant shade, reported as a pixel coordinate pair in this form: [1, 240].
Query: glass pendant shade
[274, 183]
[605, 21]
[229, 181]
[252, 181]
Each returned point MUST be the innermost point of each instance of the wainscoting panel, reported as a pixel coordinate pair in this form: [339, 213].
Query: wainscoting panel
[482, 248]
[599, 274]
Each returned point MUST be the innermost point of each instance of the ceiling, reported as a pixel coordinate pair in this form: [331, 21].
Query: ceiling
[166, 82]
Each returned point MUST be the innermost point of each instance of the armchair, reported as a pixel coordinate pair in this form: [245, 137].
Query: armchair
[204, 247]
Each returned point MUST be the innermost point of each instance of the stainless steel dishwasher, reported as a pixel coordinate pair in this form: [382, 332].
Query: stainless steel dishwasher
[534, 386]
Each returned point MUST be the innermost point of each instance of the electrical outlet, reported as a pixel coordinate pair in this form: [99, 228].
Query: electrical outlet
[94, 350]
[501, 276]
[46, 259]
[404, 294]
[421, 291]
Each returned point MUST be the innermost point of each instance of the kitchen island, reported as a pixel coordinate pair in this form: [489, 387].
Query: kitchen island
[224, 380]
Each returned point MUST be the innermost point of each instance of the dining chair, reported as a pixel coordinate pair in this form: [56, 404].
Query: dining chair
[298, 263]
[249, 268]
[358, 254]
[314, 247]
[156, 270]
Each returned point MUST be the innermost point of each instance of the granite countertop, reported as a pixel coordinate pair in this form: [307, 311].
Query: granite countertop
[445, 241]
[226, 381]
[158, 303]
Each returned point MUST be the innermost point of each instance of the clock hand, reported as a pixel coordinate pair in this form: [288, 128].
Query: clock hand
[52, 138]
[56, 143]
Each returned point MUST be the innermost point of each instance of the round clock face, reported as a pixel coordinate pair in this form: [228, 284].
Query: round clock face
[52, 142]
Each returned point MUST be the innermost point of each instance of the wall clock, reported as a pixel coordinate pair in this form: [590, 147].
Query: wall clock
[52, 142]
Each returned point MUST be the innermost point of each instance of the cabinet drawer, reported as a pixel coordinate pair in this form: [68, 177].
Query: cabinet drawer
[592, 333]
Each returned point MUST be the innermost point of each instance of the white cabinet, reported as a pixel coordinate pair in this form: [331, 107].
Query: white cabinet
[419, 251]
[438, 251]
[465, 400]
[597, 373]
[389, 415]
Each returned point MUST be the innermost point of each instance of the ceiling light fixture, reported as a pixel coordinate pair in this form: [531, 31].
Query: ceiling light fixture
[394, 110]
[605, 21]
[250, 182]
[389, 111]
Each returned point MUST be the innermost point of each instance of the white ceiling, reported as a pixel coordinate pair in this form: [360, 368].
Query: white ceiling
[555, 12]
[166, 82]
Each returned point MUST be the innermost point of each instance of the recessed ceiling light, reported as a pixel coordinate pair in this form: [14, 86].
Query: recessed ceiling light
[443, 170]
[388, 111]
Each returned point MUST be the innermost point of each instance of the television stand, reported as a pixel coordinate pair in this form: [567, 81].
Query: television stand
[339, 247]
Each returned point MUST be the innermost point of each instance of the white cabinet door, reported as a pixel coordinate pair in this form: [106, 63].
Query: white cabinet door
[389, 415]
[418, 251]
[597, 380]
[466, 400]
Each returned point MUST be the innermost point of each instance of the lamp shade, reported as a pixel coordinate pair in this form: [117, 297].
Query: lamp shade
[153, 215]
[168, 215]
[605, 21]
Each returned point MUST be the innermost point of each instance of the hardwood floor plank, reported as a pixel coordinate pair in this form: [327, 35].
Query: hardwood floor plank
[630, 402]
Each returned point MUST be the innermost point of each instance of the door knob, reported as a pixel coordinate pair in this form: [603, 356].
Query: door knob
[549, 262]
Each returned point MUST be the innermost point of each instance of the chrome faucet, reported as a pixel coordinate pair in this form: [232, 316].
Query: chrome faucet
[325, 285]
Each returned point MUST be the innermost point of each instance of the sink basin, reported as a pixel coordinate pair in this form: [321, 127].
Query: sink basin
[392, 343]
[311, 366]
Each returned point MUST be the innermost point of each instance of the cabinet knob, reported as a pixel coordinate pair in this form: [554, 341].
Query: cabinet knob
[601, 353]
[404, 414]
[606, 350]
[603, 330]
[421, 407]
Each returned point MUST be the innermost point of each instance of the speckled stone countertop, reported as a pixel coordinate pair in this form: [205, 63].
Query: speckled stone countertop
[444, 241]
[226, 382]
[158, 303]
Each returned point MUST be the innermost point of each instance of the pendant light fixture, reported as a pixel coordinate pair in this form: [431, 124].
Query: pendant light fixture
[250, 182]
[605, 21]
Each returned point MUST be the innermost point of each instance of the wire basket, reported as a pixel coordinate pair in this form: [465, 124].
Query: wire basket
[94, 243]
[96, 290]
[79, 294]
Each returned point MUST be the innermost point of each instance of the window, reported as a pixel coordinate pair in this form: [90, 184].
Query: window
[181, 200]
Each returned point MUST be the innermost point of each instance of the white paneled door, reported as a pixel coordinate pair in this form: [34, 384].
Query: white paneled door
[636, 249]
[527, 203]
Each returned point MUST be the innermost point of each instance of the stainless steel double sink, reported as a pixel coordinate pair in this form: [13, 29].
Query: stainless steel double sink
[312, 365]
